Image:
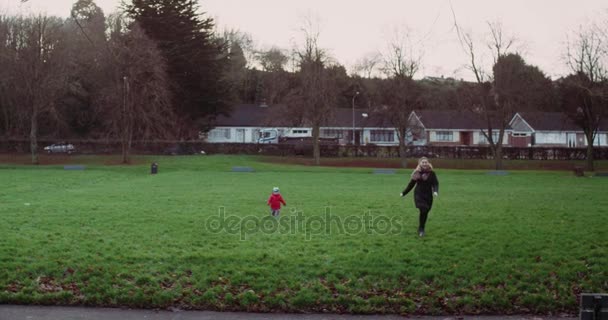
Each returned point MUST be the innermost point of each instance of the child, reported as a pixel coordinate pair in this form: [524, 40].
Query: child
[427, 186]
[275, 201]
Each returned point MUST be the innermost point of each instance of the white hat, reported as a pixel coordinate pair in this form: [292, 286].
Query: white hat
[275, 190]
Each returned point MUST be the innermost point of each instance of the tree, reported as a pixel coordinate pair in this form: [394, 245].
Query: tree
[8, 50]
[316, 93]
[366, 66]
[519, 86]
[274, 79]
[402, 58]
[586, 103]
[136, 101]
[241, 54]
[273, 59]
[401, 95]
[587, 53]
[584, 94]
[196, 59]
[481, 98]
[516, 87]
[86, 45]
[40, 71]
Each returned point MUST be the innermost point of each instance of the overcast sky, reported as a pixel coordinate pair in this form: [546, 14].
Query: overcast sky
[350, 29]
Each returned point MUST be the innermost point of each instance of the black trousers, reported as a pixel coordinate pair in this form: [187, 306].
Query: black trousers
[424, 214]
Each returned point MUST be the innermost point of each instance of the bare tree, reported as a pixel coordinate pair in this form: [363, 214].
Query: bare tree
[584, 94]
[366, 66]
[402, 94]
[136, 102]
[484, 99]
[8, 44]
[403, 55]
[587, 53]
[316, 94]
[40, 70]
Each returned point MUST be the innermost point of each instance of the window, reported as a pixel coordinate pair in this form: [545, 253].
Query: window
[332, 133]
[220, 133]
[518, 135]
[299, 131]
[484, 140]
[382, 136]
[444, 136]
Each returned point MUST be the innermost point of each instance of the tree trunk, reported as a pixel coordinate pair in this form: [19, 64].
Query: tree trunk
[126, 127]
[34, 135]
[316, 152]
[497, 153]
[126, 144]
[6, 121]
[590, 164]
[125, 153]
[402, 151]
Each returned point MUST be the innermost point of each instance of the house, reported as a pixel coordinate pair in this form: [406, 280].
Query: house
[455, 128]
[351, 127]
[246, 121]
[551, 129]
[243, 125]
[428, 127]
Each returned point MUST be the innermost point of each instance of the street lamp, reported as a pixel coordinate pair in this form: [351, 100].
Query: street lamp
[356, 94]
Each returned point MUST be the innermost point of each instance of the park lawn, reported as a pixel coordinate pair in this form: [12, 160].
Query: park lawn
[527, 242]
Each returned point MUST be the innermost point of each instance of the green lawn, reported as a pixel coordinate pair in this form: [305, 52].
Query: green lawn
[528, 242]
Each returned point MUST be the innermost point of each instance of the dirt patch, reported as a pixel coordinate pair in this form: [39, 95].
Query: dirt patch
[64, 159]
[469, 164]
[339, 162]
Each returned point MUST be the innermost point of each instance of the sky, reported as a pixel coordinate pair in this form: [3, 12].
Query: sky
[352, 29]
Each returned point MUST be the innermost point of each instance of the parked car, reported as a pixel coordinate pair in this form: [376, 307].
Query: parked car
[60, 147]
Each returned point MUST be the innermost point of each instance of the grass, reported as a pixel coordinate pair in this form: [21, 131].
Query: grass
[528, 242]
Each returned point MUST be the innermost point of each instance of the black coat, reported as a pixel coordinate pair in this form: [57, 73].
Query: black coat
[423, 194]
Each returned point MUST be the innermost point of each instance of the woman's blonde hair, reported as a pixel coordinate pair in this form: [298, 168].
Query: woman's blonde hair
[418, 168]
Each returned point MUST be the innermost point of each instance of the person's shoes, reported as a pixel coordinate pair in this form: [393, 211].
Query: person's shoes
[421, 233]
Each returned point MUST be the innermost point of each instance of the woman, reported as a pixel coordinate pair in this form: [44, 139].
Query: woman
[427, 186]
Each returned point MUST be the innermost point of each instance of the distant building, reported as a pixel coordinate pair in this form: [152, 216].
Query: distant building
[250, 123]
[551, 129]
[456, 128]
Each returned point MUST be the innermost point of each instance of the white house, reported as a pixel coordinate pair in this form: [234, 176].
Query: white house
[244, 124]
[455, 128]
[428, 127]
[552, 129]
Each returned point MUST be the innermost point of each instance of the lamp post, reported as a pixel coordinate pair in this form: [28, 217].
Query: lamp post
[356, 94]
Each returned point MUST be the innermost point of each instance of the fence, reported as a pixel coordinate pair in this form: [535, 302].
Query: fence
[373, 151]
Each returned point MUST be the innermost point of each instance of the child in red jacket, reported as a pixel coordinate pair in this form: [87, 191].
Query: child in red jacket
[275, 201]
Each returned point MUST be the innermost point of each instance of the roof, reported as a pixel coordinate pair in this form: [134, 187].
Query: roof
[549, 121]
[251, 115]
[453, 120]
[556, 121]
[343, 118]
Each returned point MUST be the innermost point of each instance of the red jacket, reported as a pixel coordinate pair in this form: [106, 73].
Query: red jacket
[275, 201]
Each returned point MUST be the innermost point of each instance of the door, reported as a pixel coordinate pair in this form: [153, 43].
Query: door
[357, 137]
[465, 138]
